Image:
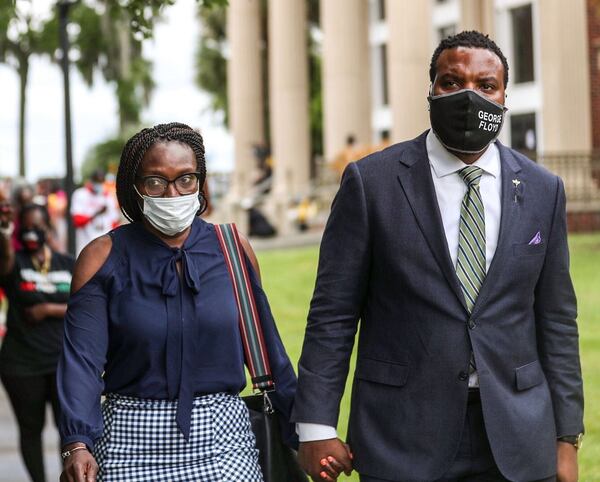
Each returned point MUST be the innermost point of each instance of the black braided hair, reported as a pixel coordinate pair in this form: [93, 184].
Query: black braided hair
[134, 152]
[469, 39]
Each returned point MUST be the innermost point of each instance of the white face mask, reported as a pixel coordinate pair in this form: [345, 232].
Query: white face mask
[171, 215]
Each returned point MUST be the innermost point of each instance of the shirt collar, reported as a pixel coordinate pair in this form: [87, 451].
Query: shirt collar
[445, 163]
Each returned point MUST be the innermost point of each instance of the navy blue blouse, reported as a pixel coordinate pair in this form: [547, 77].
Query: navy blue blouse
[138, 328]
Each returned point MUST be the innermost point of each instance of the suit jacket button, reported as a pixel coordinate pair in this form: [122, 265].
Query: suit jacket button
[463, 376]
[471, 323]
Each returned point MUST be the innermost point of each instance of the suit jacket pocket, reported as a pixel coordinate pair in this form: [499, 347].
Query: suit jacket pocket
[529, 375]
[384, 372]
[527, 249]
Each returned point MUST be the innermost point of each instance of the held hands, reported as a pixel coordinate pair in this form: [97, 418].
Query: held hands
[80, 466]
[566, 470]
[324, 460]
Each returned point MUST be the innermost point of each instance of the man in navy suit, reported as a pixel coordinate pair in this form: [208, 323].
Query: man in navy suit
[451, 250]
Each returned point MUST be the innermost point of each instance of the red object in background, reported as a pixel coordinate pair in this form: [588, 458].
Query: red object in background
[2, 326]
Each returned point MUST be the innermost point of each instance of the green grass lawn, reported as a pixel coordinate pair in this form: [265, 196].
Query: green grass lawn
[289, 276]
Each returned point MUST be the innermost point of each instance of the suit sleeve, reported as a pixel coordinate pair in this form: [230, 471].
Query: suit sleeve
[342, 280]
[558, 339]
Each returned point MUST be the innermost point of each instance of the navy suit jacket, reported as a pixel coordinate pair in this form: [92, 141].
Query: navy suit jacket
[384, 261]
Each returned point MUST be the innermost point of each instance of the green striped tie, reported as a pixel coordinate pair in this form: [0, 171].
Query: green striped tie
[470, 265]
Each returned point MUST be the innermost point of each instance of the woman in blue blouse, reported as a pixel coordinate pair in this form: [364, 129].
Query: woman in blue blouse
[152, 324]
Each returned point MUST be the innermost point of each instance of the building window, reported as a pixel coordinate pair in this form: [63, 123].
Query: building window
[446, 31]
[523, 134]
[522, 36]
[385, 99]
[381, 9]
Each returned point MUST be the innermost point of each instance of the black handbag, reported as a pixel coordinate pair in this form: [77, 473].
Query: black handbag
[277, 461]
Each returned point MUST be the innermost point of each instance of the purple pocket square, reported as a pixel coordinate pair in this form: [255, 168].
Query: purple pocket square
[537, 239]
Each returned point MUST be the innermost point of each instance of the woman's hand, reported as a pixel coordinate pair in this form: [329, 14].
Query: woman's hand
[331, 468]
[324, 460]
[80, 466]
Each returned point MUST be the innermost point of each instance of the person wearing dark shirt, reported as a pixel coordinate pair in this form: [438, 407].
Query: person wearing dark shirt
[152, 323]
[36, 280]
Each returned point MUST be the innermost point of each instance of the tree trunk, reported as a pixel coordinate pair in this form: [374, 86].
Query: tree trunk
[23, 76]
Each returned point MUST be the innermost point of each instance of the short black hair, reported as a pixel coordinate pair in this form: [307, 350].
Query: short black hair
[470, 39]
[134, 152]
[35, 207]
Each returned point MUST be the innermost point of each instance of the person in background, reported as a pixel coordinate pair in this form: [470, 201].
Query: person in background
[22, 194]
[351, 152]
[37, 281]
[94, 210]
[57, 208]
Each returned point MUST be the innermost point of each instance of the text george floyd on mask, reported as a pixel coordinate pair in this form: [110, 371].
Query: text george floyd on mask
[465, 121]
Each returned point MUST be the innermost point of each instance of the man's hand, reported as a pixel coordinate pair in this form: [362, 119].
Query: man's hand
[80, 466]
[333, 452]
[566, 469]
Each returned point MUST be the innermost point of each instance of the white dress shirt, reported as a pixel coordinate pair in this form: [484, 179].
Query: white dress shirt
[450, 190]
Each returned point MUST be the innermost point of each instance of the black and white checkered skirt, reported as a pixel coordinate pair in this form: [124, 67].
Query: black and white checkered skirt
[141, 441]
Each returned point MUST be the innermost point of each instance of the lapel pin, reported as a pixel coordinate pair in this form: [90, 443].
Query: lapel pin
[516, 183]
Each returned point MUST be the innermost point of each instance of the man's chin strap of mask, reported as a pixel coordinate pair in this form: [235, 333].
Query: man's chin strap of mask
[465, 121]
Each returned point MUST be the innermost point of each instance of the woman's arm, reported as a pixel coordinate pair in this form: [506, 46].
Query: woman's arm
[79, 374]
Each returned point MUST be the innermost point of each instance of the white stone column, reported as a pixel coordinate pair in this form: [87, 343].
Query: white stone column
[245, 97]
[565, 77]
[477, 15]
[288, 94]
[409, 52]
[345, 74]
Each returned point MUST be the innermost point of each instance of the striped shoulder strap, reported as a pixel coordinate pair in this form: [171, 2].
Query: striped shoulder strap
[257, 358]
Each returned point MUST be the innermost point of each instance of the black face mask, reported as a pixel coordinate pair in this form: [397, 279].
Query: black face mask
[32, 239]
[465, 121]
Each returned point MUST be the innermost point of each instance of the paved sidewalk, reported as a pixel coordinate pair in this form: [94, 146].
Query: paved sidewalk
[295, 240]
[11, 467]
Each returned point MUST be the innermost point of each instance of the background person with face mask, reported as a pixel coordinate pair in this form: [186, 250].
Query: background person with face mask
[451, 250]
[94, 210]
[153, 324]
[36, 280]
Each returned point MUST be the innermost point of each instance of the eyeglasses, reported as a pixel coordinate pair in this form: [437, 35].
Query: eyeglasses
[156, 186]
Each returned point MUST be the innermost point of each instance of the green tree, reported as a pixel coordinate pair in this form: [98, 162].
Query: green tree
[109, 40]
[22, 36]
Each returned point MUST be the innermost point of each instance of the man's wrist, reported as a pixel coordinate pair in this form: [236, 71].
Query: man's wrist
[310, 432]
[574, 440]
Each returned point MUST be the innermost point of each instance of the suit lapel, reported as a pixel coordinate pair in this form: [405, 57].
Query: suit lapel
[415, 179]
[512, 200]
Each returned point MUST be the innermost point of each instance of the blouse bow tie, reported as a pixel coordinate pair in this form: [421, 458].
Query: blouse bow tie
[170, 275]
[179, 322]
